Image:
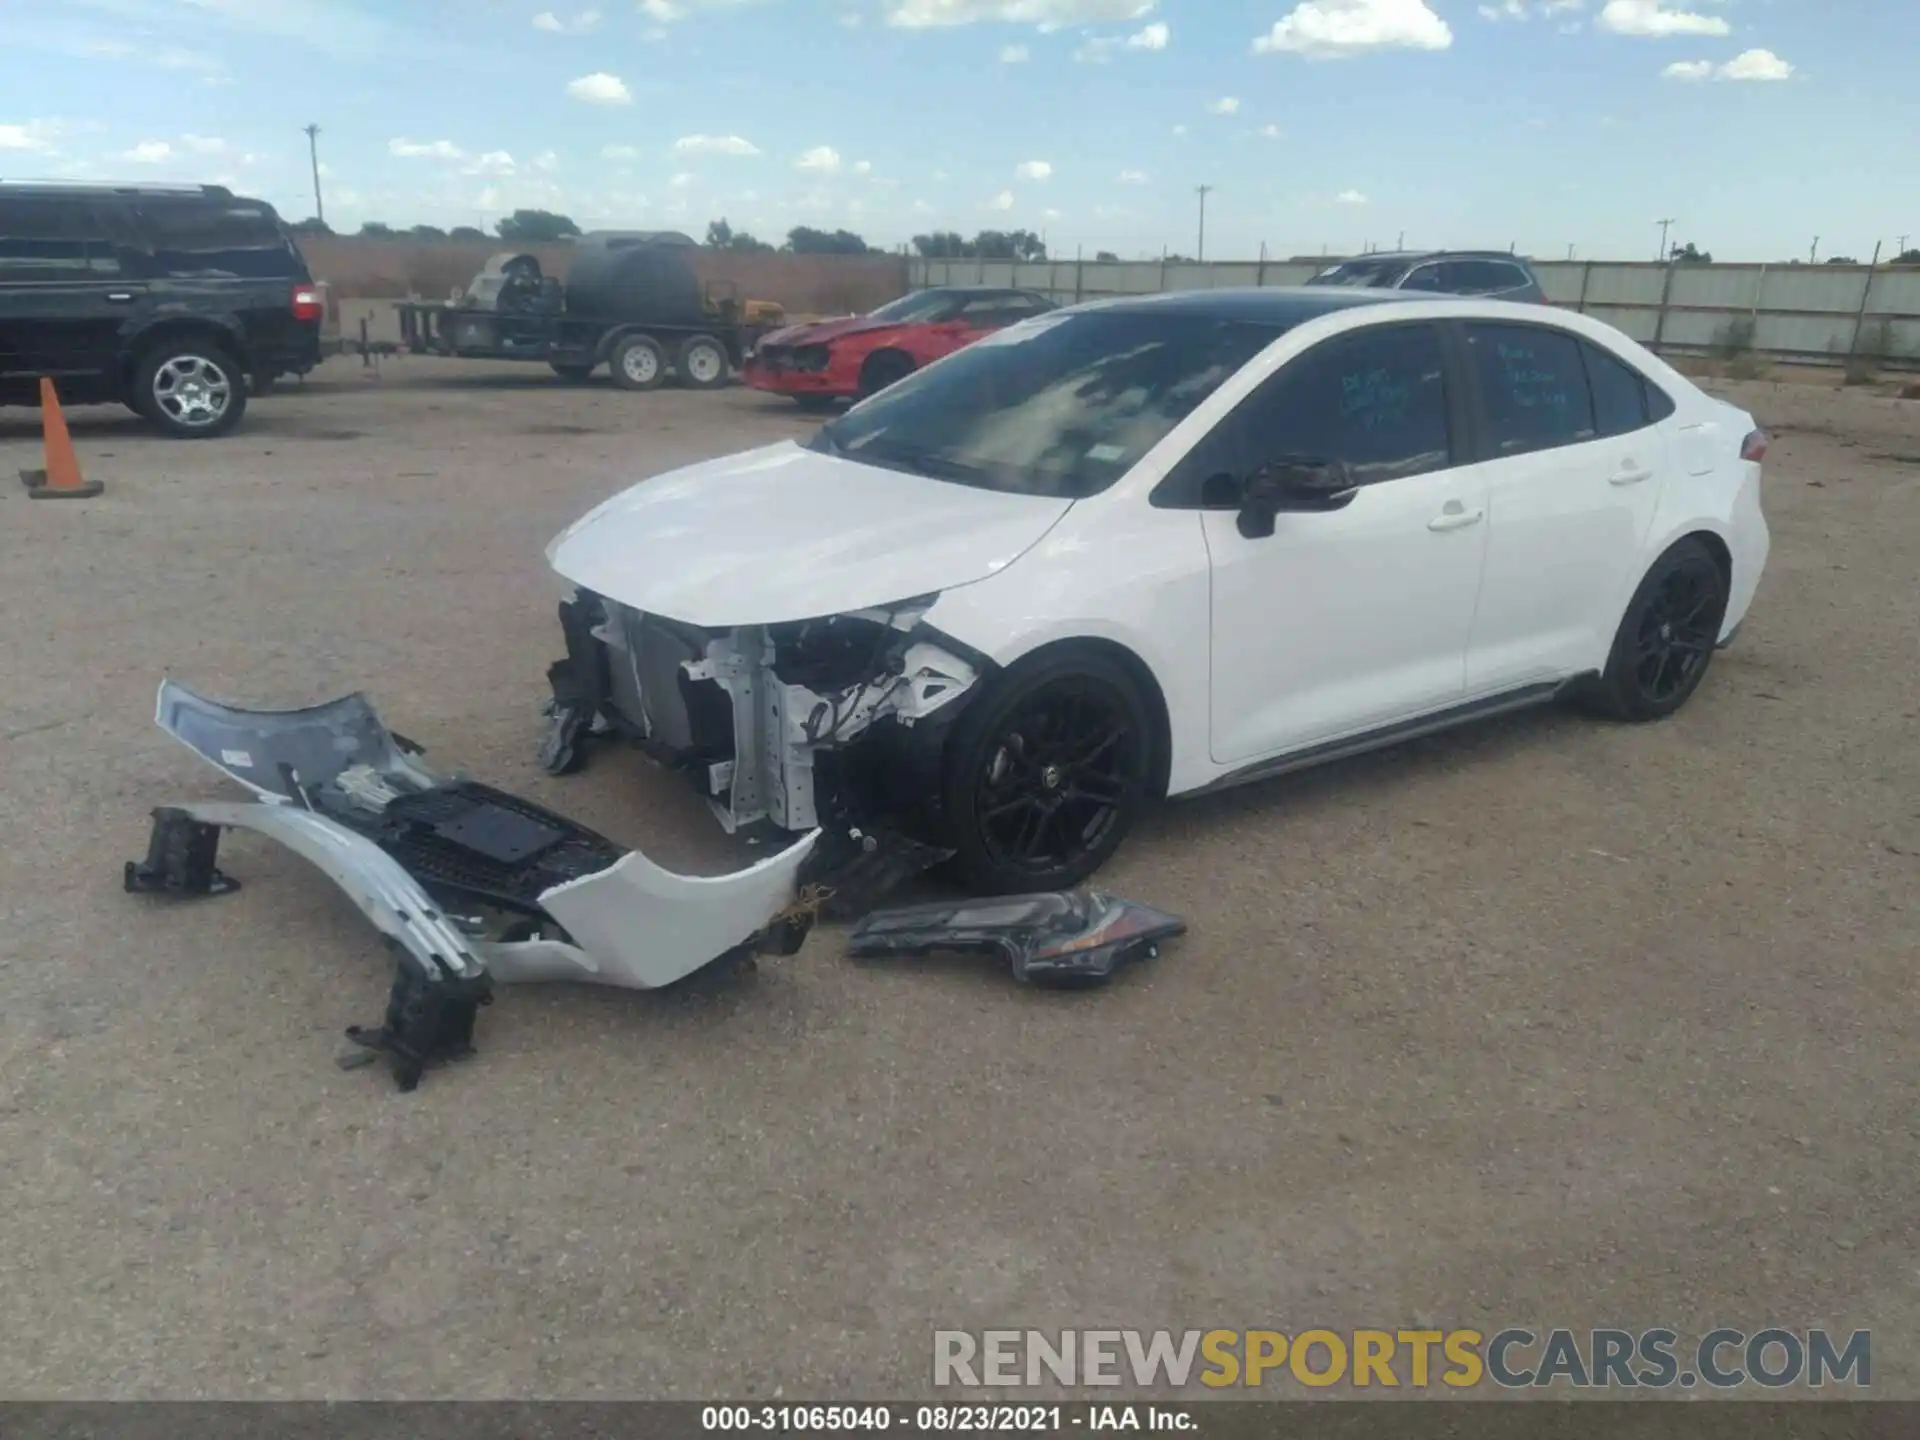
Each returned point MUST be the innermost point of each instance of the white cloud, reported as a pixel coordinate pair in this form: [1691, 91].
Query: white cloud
[149, 152]
[1002, 201]
[863, 167]
[921, 207]
[1154, 37]
[546, 160]
[1652, 18]
[1755, 65]
[1179, 129]
[680, 181]
[1527, 9]
[1350, 197]
[663, 11]
[1271, 132]
[600, 88]
[852, 19]
[1034, 170]
[1689, 70]
[1225, 105]
[1133, 177]
[551, 23]
[715, 145]
[623, 153]
[1049, 214]
[1335, 29]
[822, 157]
[1046, 14]
[1100, 50]
[204, 144]
[1015, 55]
[425, 149]
[1508, 10]
[494, 162]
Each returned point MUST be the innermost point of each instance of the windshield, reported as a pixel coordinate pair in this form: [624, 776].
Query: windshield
[1060, 405]
[1361, 274]
[917, 308]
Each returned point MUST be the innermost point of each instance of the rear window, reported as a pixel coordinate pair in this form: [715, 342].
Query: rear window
[238, 241]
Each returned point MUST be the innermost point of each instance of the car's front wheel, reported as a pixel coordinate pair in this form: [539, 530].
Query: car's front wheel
[191, 389]
[1046, 772]
[1666, 640]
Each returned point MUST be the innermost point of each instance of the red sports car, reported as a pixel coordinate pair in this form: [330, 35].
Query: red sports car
[852, 358]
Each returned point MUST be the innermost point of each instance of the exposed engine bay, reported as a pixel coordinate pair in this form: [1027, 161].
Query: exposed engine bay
[799, 725]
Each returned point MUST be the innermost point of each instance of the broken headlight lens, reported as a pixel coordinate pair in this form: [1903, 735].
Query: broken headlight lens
[1069, 938]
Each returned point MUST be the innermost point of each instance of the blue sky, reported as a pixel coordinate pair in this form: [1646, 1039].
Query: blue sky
[1755, 124]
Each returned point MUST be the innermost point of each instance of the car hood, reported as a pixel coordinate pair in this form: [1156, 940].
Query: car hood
[821, 331]
[785, 533]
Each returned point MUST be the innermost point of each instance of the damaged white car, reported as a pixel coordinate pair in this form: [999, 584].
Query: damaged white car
[1152, 547]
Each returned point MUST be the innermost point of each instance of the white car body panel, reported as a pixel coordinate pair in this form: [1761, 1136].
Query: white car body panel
[782, 533]
[1340, 623]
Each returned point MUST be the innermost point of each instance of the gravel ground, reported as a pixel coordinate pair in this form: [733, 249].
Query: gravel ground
[1546, 1022]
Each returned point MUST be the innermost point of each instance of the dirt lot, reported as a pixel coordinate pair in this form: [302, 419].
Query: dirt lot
[1549, 1022]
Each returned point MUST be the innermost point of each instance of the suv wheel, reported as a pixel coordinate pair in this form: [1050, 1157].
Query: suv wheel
[191, 389]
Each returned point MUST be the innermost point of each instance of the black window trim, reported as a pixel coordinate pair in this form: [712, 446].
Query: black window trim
[1180, 488]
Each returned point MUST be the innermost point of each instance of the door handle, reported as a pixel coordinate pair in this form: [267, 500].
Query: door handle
[1455, 518]
[1629, 476]
[119, 297]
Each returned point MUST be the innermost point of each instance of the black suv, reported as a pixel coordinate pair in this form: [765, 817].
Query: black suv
[173, 300]
[1492, 273]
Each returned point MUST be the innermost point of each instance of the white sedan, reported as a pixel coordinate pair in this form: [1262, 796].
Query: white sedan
[1153, 547]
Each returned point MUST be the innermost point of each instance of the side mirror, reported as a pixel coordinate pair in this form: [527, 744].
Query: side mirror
[1293, 486]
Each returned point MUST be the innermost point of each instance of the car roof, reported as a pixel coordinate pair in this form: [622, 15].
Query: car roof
[1287, 305]
[1409, 255]
[61, 190]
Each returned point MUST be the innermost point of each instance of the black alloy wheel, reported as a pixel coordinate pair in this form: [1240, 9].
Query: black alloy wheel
[1047, 774]
[1667, 639]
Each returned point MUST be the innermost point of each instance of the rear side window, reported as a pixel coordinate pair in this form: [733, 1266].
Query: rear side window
[51, 240]
[1619, 394]
[218, 242]
[1482, 277]
[1533, 388]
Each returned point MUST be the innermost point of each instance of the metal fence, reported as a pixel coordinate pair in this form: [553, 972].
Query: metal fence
[1802, 314]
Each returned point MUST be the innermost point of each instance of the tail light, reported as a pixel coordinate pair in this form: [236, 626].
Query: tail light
[309, 303]
[1754, 447]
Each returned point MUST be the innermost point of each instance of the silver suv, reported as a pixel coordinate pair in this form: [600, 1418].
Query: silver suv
[1492, 273]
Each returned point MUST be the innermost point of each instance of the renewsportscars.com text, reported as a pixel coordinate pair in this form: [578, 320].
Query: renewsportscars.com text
[1513, 1358]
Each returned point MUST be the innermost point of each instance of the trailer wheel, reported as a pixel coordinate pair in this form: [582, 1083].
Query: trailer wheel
[703, 363]
[638, 364]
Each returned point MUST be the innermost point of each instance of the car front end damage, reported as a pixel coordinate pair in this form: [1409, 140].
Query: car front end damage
[836, 723]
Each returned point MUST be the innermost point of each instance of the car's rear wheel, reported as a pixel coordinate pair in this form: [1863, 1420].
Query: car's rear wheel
[637, 363]
[1046, 772]
[703, 363]
[888, 367]
[191, 389]
[1666, 639]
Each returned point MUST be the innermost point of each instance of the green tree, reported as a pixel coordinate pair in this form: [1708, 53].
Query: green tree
[466, 232]
[1689, 254]
[378, 230]
[722, 236]
[1841, 260]
[427, 232]
[1105, 257]
[529, 227]
[943, 245]
[312, 225]
[805, 240]
[1907, 257]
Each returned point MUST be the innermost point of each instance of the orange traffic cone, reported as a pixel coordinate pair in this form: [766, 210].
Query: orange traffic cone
[61, 479]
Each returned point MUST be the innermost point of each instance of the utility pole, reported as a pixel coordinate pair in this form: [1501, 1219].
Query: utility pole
[1664, 225]
[1203, 191]
[1903, 245]
[1813, 250]
[1569, 252]
[313, 153]
[1401, 243]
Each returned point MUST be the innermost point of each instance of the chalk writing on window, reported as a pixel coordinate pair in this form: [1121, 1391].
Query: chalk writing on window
[1374, 399]
[1531, 386]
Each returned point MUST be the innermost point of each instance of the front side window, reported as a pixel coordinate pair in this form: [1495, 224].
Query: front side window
[1533, 387]
[218, 241]
[1375, 399]
[1061, 405]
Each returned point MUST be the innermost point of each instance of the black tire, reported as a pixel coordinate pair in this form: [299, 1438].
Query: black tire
[702, 364]
[638, 363]
[1046, 772]
[884, 368]
[191, 389]
[572, 374]
[815, 404]
[1666, 639]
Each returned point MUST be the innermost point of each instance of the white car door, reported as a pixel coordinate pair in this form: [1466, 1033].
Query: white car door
[1344, 619]
[1573, 466]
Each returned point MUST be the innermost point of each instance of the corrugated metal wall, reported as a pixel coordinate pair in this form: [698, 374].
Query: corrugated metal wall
[1814, 314]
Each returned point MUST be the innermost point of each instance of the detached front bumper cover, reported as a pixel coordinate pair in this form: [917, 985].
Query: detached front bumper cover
[470, 886]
